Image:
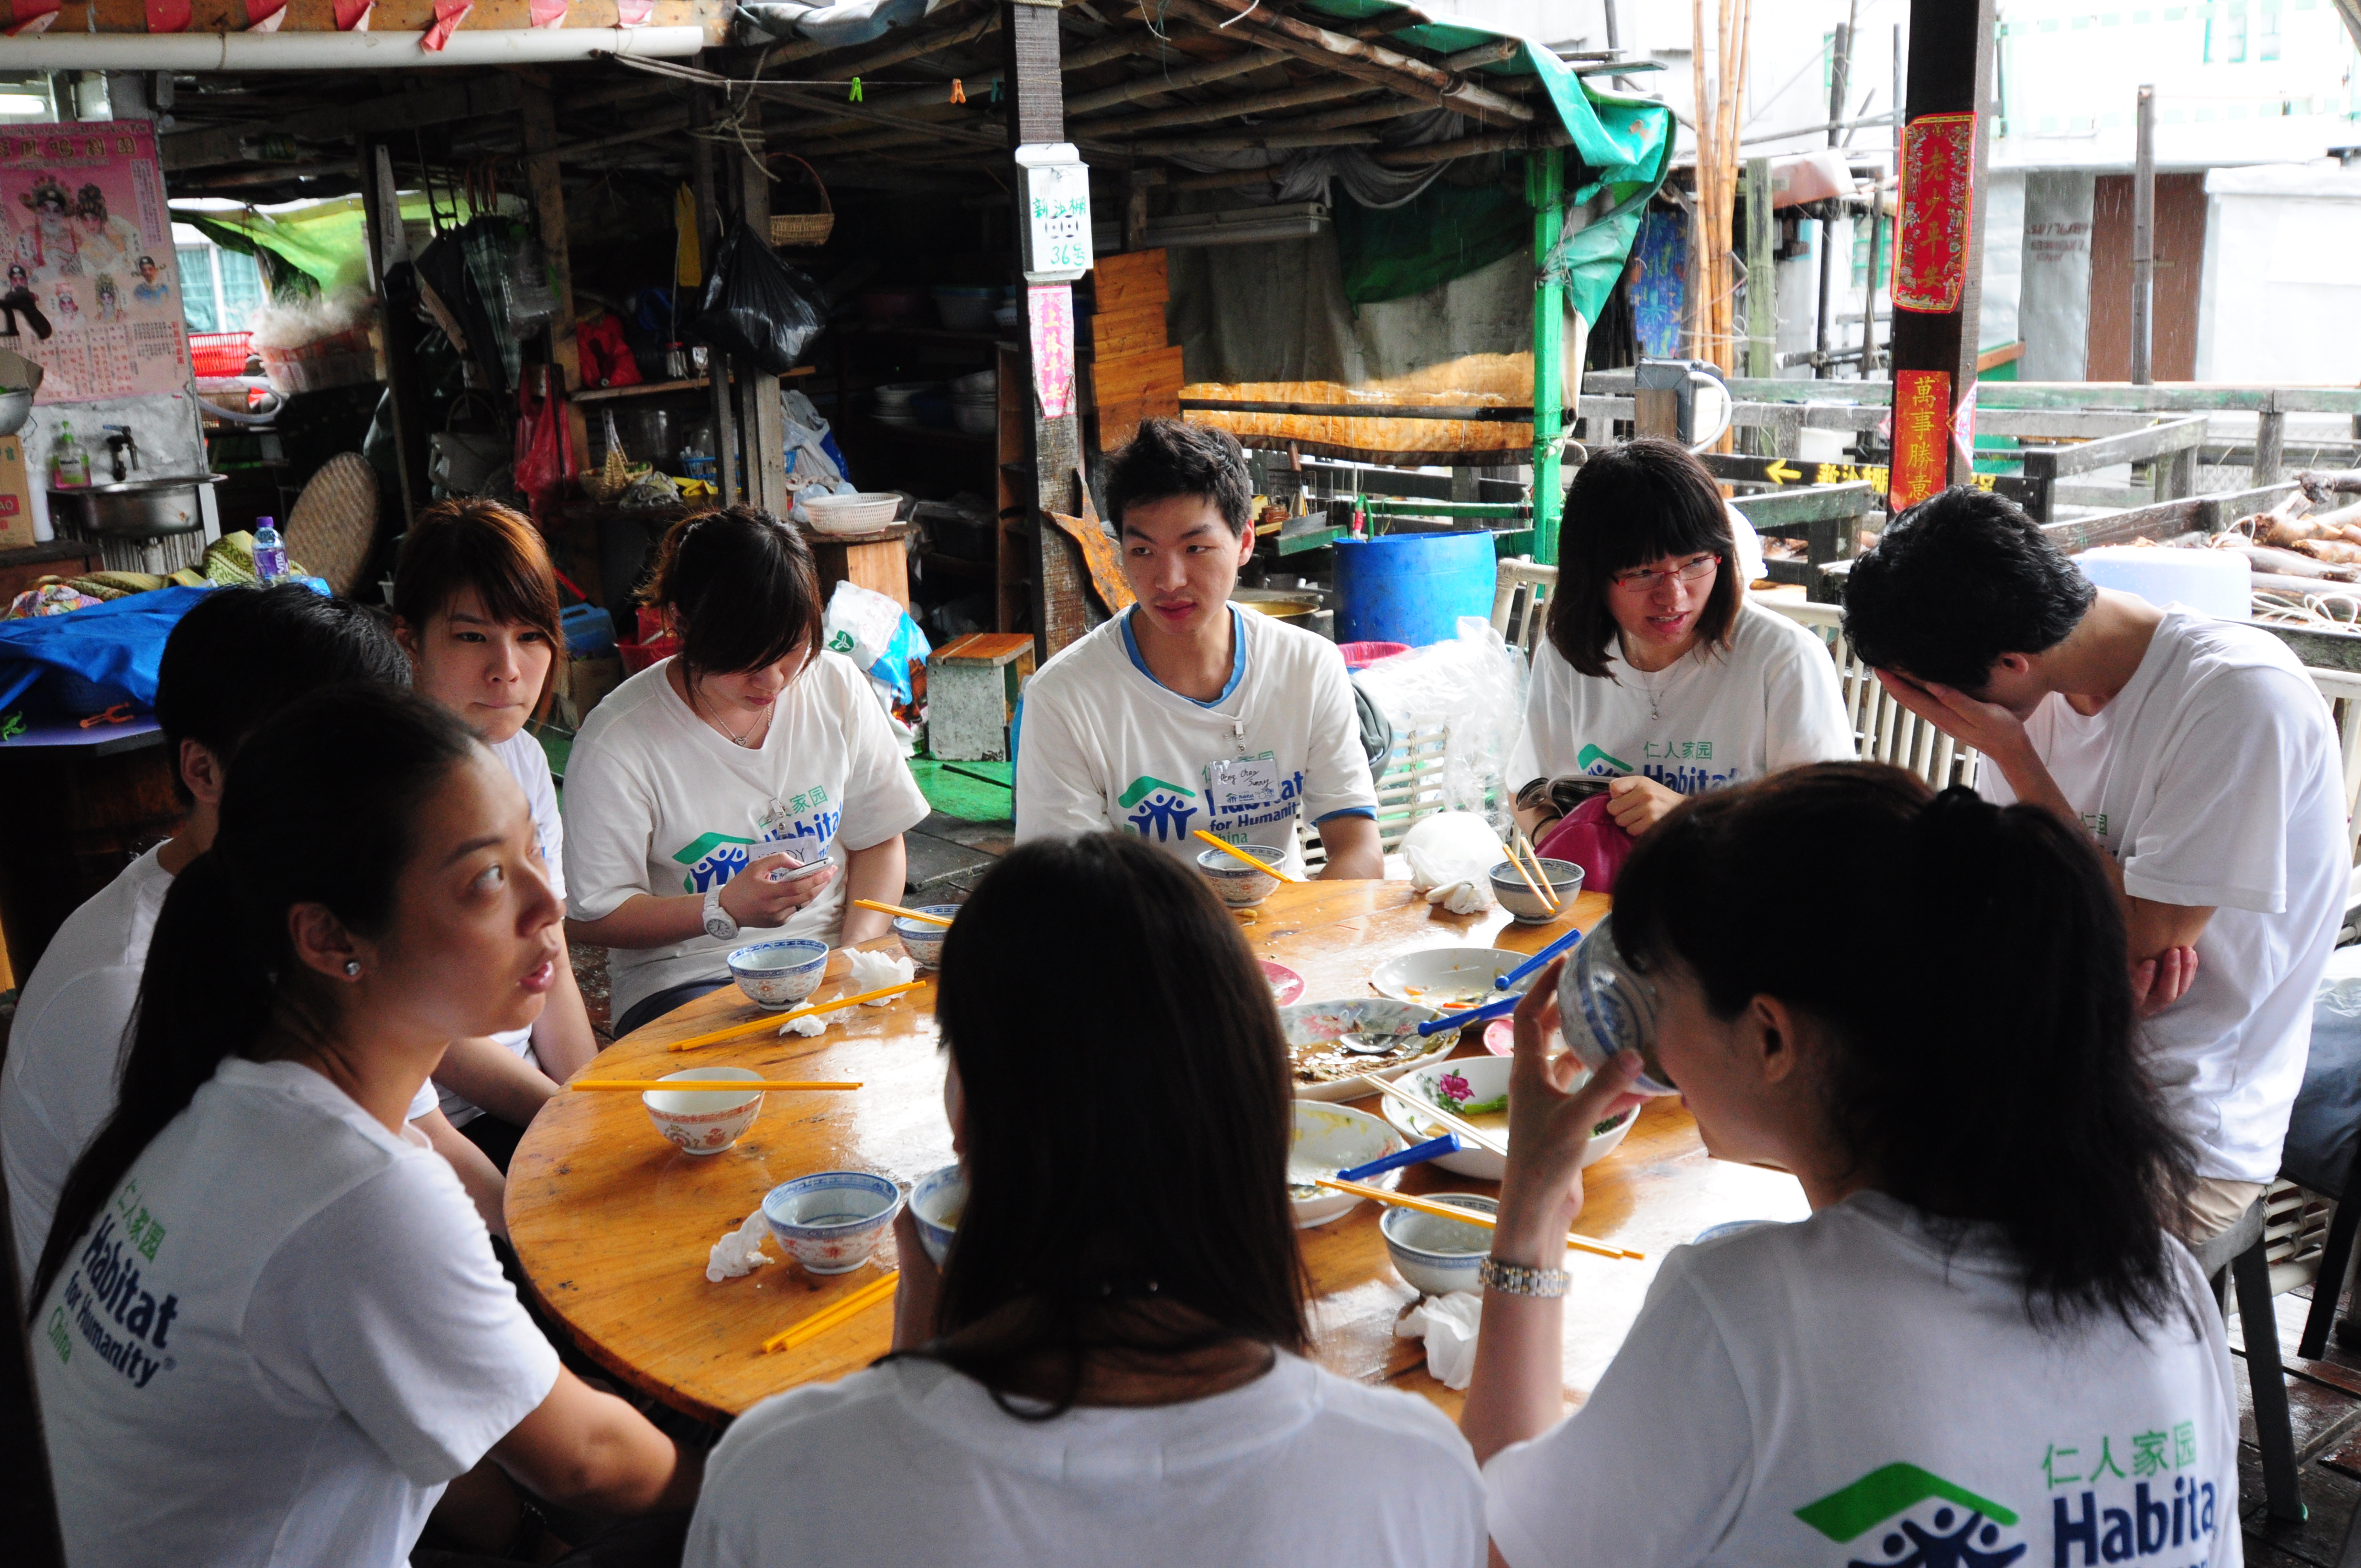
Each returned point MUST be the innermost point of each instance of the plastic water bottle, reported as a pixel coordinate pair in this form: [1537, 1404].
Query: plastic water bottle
[69, 463]
[269, 553]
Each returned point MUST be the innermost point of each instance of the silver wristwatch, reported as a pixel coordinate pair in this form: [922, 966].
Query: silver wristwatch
[1518, 1279]
[718, 922]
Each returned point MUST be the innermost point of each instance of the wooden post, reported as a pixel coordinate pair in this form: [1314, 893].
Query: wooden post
[717, 372]
[1762, 274]
[2143, 232]
[549, 213]
[1036, 115]
[1939, 250]
[761, 423]
[2270, 447]
[380, 218]
[1545, 190]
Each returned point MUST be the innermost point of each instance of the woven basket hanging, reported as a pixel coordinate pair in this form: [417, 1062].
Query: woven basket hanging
[805, 229]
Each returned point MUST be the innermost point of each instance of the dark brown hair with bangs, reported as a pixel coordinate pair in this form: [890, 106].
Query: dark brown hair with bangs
[496, 551]
[1628, 506]
[742, 589]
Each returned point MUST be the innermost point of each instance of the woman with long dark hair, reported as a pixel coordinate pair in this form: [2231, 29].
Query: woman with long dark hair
[1656, 672]
[1109, 1367]
[267, 1322]
[1984, 1344]
[700, 788]
[475, 606]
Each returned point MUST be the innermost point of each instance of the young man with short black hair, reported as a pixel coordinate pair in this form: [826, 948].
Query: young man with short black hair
[2195, 753]
[237, 656]
[1186, 712]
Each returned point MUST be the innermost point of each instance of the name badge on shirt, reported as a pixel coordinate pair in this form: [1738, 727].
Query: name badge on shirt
[1242, 783]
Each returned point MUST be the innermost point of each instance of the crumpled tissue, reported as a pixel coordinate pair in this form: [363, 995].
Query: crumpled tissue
[1448, 1324]
[867, 972]
[740, 1252]
[1460, 895]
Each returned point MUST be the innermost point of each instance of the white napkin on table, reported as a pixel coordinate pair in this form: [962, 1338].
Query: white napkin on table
[876, 972]
[1443, 883]
[1448, 1324]
[740, 1252]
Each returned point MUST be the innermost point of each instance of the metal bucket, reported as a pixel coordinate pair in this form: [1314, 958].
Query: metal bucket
[135, 508]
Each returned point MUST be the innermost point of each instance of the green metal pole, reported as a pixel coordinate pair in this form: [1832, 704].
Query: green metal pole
[1545, 187]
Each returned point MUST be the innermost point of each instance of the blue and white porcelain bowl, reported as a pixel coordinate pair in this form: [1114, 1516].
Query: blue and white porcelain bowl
[1236, 883]
[937, 1200]
[1516, 895]
[922, 939]
[830, 1221]
[1437, 1255]
[779, 973]
[704, 1121]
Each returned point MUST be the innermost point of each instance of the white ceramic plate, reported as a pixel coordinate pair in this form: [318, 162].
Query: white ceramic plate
[1329, 1138]
[1310, 1022]
[1446, 978]
[1488, 1079]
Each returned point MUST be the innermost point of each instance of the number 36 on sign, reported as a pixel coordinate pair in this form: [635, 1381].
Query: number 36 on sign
[1057, 212]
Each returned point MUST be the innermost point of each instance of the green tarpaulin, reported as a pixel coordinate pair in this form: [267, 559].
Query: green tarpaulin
[1622, 147]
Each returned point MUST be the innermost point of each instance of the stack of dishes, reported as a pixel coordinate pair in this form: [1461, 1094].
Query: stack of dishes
[894, 401]
[975, 403]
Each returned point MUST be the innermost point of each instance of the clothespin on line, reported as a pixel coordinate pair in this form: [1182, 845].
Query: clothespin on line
[855, 97]
[958, 91]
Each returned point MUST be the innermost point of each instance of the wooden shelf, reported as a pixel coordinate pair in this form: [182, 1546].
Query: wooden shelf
[925, 435]
[649, 388]
[930, 334]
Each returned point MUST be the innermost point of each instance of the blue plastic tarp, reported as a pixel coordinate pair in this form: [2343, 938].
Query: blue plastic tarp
[116, 645]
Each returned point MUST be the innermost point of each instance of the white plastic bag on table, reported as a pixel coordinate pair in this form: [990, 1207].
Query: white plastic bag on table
[1451, 856]
[1473, 685]
[1448, 1324]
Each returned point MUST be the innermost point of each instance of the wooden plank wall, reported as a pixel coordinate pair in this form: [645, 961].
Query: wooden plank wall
[1134, 376]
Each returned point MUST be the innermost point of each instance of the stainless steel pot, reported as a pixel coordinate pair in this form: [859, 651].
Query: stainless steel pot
[135, 509]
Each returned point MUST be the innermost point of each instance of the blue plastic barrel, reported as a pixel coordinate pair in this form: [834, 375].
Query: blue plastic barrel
[1412, 587]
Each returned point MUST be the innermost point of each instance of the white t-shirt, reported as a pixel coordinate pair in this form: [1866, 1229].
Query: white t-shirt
[66, 1051]
[279, 1341]
[2213, 778]
[1105, 745]
[1714, 718]
[657, 803]
[527, 763]
[915, 1463]
[1847, 1390]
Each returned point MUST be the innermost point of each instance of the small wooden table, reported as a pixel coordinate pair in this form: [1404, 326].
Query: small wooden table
[878, 559]
[612, 1225]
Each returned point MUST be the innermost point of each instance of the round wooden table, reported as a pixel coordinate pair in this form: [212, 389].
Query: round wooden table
[612, 1223]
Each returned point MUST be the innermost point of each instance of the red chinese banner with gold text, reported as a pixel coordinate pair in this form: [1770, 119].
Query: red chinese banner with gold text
[1921, 437]
[1939, 166]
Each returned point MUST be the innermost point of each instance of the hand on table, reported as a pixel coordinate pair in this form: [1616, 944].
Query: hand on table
[920, 1288]
[752, 898]
[2158, 982]
[1549, 1128]
[1986, 725]
[1638, 804]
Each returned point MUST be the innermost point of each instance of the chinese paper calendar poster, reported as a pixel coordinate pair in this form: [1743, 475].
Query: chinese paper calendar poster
[92, 293]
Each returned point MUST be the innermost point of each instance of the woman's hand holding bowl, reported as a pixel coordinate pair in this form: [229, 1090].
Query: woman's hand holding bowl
[1549, 1128]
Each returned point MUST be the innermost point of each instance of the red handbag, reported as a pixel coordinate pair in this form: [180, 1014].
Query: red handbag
[1588, 836]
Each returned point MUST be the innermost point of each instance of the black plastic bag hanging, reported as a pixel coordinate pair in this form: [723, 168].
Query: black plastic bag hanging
[756, 306]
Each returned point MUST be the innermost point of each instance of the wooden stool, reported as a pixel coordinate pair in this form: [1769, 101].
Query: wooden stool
[972, 684]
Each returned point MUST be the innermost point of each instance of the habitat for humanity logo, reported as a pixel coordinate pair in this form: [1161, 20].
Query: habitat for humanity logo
[1159, 810]
[712, 859]
[1963, 1531]
[1589, 757]
[123, 1322]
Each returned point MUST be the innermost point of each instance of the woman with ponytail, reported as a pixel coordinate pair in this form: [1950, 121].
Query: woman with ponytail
[267, 1323]
[748, 787]
[1985, 1344]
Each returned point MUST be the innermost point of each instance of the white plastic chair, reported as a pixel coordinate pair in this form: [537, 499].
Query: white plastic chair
[1521, 589]
[2342, 690]
[1409, 788]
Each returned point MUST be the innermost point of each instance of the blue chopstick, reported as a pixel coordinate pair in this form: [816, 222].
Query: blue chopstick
[1499, 1006]
[1502, 982]
[1417, 1153]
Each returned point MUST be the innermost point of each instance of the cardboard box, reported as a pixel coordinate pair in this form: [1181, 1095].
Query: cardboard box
[16, 496]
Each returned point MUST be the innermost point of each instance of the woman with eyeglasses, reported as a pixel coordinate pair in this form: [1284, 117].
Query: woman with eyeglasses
[1656, 674]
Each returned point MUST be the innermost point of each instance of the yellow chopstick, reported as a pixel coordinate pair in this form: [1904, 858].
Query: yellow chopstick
[1438, 1115]
[1472, 1216]
[1549, 893]
[1539, 891]
[898, 909]
[699, 1085]
[771, 1024]
[1263, 866]
[842, 1310]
